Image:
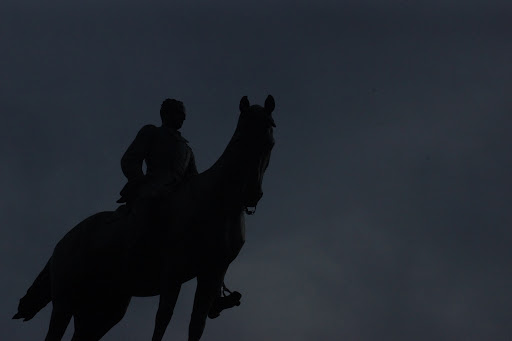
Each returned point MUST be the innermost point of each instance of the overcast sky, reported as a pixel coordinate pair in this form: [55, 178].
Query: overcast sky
[386, 213]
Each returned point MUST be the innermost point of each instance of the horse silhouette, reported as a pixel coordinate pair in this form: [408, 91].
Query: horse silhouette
[196, 230]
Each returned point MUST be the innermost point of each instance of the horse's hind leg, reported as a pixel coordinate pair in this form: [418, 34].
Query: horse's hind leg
[93, 323]
[58, 324]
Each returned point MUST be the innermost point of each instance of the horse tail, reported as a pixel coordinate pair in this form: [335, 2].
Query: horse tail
[37, 297]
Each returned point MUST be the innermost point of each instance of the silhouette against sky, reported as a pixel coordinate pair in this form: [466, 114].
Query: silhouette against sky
[176, 225]
[386, 207]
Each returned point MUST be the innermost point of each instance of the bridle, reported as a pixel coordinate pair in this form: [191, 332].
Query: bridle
[250, 210]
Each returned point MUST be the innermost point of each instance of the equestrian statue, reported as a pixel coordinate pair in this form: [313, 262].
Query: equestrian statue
[173, 225]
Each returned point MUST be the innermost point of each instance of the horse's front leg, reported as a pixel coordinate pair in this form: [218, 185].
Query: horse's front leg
[208, 289]
[169, 291]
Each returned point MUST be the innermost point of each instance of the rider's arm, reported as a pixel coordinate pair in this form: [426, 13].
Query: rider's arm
[131, 162]
[191, 169]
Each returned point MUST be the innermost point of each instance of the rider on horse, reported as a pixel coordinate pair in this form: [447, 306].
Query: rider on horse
[169, 161]
[168, 157]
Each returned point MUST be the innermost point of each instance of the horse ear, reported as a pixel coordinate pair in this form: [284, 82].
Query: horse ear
[244, 104]
[270, 104]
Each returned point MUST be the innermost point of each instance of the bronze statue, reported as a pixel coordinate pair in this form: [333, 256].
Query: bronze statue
[195, 229]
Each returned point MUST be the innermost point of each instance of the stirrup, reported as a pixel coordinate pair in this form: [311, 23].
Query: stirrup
[226, 302]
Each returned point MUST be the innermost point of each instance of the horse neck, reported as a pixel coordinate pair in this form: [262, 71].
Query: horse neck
[229, 170]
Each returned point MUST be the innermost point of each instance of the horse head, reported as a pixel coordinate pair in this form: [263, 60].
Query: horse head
[255, 133]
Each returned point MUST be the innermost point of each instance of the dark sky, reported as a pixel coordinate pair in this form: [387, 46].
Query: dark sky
[386, 213]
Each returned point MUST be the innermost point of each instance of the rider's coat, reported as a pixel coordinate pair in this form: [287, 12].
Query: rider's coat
[169, 160]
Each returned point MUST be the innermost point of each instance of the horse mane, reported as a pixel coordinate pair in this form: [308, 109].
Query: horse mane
[230, 151]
